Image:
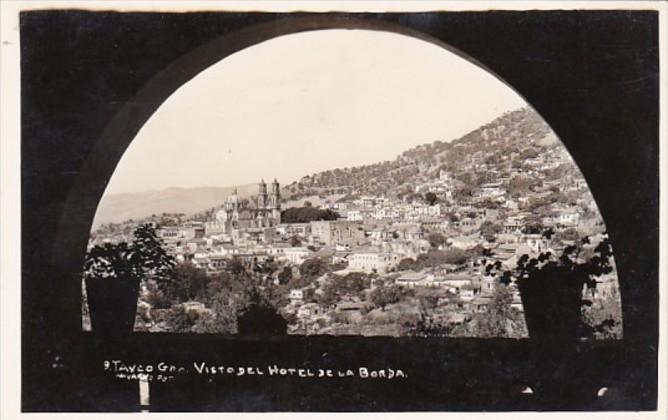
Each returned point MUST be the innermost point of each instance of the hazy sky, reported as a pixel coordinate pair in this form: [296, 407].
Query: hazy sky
[308, 102]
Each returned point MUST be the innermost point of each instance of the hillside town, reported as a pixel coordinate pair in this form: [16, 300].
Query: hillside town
[395, 248]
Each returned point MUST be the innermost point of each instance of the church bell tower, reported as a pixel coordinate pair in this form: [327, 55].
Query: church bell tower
[263, 200]
[275, 200]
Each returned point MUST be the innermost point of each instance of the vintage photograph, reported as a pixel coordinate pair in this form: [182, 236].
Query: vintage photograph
[416, 212]
[332, 208]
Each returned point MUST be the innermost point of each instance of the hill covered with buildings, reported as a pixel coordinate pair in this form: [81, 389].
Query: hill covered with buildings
[515, 143]
[392, 248]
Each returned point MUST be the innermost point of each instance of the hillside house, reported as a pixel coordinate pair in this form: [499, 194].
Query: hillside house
[296, 296]
[332, 232]
[412, 279]
[369, 260]
[296, 255]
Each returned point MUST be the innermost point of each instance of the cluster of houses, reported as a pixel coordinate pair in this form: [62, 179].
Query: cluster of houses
[374, 234]
[396, 229]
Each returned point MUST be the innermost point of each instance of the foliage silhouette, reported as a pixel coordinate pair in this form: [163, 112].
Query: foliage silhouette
[307, 214]
[552, 288]
[261, 318]
[113, 272]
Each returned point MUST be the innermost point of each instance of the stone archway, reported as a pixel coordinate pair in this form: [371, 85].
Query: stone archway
[121, 131]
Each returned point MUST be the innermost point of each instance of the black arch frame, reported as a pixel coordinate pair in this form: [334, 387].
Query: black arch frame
[588, 92]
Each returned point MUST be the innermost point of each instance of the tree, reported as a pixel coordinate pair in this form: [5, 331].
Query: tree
[329, 296]
[307, 214]
[384, 295]
[285, 276]
[430, 198]
[187, 283]
[143, 258]
[521, 185]
[435, 258]
[557, 197]
[436, 239]
[603, 318]
[113, 274]
[428, 303]
[569, 234]
[223, 319]
[178, 319]
[112, 261]
[532, 229]
[352, 283]
[260, 317]
[295, 240]
[489, 230]
[548, 233]
[500, 320]
[235, 266]
[313, 267]
[488, 203]
[213, 324]
[407, 264]
[427, 326]
[538, 203]
[551, 286]
[463, 193]
[529, 153]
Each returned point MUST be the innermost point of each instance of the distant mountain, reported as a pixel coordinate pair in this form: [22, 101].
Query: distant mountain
[116, 208]
[501, 146]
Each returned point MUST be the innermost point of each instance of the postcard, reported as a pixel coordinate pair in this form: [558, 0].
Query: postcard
[333, 207]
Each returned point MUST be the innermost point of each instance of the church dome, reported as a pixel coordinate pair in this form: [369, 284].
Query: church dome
[221, 215]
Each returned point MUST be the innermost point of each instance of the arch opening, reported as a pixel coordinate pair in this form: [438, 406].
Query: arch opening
[336, 296]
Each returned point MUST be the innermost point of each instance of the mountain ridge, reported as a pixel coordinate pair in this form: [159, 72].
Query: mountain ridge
[117, 208]
[521, 133]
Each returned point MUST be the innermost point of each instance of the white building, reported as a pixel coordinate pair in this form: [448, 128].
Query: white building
[568, 218]
[296, 255]
[355, 216]
[492, 190]
[412, 279]
[296, 295]
[537, 242]
[369, 260]
[290, 229]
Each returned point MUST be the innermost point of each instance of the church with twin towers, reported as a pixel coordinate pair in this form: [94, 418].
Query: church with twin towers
[260, 211]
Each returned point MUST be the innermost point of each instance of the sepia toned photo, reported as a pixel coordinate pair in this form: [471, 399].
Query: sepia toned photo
[332, 208]
[418, 212]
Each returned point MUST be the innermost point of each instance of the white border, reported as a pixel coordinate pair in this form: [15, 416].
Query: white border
[10, 291]
[10, 214]
[333, 5]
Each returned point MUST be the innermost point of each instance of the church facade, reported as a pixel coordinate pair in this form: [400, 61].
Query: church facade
[257, 216]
